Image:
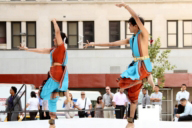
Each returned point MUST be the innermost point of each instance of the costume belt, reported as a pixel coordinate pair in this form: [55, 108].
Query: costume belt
[141, 58]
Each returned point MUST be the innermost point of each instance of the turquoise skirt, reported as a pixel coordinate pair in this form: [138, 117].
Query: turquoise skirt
[133, 72]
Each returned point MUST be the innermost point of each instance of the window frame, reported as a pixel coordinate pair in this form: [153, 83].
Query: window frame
[77, 46]
[172, 34]
[31, 35]
[115, 47]
[5, 31]
[14, 35]
[186, 33]
[89, 35]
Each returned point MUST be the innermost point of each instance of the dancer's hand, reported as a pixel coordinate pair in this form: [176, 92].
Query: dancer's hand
[54, 20]
[121, 5]
[22, 47]
[89, 44]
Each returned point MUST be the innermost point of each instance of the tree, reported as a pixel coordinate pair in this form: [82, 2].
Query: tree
[160, 63]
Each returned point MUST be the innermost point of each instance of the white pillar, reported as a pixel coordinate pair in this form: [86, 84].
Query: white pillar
[64, 29]
[180, 34]
[23, 30]
[80, 28]
[122, 32]
[8, 33]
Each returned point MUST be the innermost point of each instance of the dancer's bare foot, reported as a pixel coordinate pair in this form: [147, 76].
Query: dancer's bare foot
[52, 126]
[130, 125]
[52, 123]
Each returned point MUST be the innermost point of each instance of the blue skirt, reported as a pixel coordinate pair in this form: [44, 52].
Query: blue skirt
[49, 87]
[133, 72]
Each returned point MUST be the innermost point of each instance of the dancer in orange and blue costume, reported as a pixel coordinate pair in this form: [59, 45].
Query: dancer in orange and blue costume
[140, 69]
[57, 80]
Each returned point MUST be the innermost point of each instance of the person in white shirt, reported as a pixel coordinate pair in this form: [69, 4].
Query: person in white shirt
[84, 103]
[182, 94]
[187, 114]
[33, 104]
[156, 98]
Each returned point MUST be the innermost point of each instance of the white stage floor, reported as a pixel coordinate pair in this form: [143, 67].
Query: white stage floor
[95, 123]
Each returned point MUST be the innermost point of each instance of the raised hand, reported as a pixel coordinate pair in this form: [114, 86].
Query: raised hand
[120, 5]
[22, 47]
[54, 20]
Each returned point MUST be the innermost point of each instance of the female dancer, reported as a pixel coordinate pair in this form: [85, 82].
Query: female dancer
[58, 74]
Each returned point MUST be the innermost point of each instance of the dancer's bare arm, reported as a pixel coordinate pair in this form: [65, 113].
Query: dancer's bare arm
[144, 31]
[116, 43]
[57, 32]
[37, 50]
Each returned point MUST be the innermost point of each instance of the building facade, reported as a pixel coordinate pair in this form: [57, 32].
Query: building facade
[29, 22]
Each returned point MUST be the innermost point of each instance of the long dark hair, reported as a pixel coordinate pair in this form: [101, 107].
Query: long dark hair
[64, 36]
[99, 98]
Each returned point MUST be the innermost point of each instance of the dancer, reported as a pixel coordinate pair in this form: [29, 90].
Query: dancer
[140, 69]
[58, 75]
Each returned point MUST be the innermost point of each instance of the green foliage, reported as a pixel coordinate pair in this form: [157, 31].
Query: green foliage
[160, 62]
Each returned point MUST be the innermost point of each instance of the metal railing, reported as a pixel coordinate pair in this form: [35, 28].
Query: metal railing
[72, 110]
[130, 1]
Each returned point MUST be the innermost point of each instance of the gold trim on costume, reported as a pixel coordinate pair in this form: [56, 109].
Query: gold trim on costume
[141, 58]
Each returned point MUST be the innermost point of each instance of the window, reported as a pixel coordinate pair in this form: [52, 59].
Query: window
[31, 34]
[2, 32]
[114, 32]
[72, 28]
[53, 31]
[15, 34]
[187, 33]
[172, 33]
[148, 26]
[88, 31]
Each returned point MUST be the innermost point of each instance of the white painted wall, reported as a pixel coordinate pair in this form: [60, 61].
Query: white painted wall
[82, 61]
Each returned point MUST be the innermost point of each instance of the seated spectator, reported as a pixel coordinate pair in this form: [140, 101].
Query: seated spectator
[187, 114]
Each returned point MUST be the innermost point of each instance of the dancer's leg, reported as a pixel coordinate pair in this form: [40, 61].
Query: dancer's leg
[53, 108]
[133, 107]
[133, 94]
